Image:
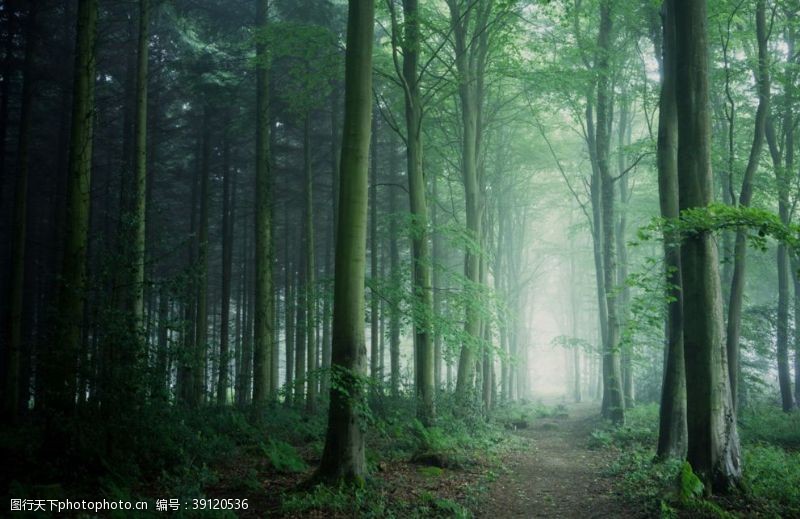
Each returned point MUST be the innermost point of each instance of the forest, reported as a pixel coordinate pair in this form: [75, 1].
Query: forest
[400, 258]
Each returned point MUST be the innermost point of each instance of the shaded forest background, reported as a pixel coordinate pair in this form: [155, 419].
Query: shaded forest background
[588, 200]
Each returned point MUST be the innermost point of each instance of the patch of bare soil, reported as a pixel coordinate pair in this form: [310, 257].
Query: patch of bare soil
[557, 475]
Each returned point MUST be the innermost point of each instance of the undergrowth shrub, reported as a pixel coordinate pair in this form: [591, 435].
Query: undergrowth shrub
[772, 476]
[282, 456]
[769, 424]
[670, 488]
[343, 501]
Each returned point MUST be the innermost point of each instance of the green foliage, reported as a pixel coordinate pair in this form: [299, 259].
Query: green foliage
[521, 415]
[640, 427]
[445, 507]
[599, 439]
[772, 476]
[346, 500]
[438, 448]
[568, 342]
[670, 488]
[650, 485]
[758, 223]
[769, 424]
[689, 485]
[282, 456]
[431, 472]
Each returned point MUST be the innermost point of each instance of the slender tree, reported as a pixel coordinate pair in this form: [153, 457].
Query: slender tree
[140, 165]
[343, 456]
[263, 314]
[311, 273]
[60, 369]
[228, 186]
[200, 353]
[408, 44]
[672, 418]
[745, 195]
[16, 300]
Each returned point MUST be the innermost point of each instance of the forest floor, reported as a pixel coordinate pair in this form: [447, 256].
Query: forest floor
[557, 474]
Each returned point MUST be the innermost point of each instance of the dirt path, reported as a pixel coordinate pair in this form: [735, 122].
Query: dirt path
[558, 476]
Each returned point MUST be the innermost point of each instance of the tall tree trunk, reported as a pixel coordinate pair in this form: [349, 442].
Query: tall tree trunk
[713, 448]
[160, 388]
[624, 297]
[470, 60]
[263, 314]
[200, 354]
[300, 338]
[394, 270]
[672, 434]
[487, 358]
[247, 342]
[436, 256]
[184, 375]
[796, 280]
[574, 305]
[311, 275]
[614, 407]
[8, 59]
[343, 457]
[326, 327]
[18, 246]
[373, 252]
[740, 247]
[140, 168]
[420, 248]
[290, 305]
[227, 267]
[783, 179]
[595, 192]
[60, 371]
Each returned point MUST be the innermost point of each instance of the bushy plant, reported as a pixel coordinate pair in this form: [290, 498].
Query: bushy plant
[772, 476]
[282, 456]
[769, 424]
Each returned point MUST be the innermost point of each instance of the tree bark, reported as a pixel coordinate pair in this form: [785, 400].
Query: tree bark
[12, 401]
[200, 354]
[60, 369]
[373, 253]
[614, 407]
[227, 266]
[263, 314]
[140, 168]
[713, 448]
[394, 306]
[672, 433]
[740, 246]
[289, 309]
[343, 456]
[470, 61]
[420, 248]
[311, 278]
